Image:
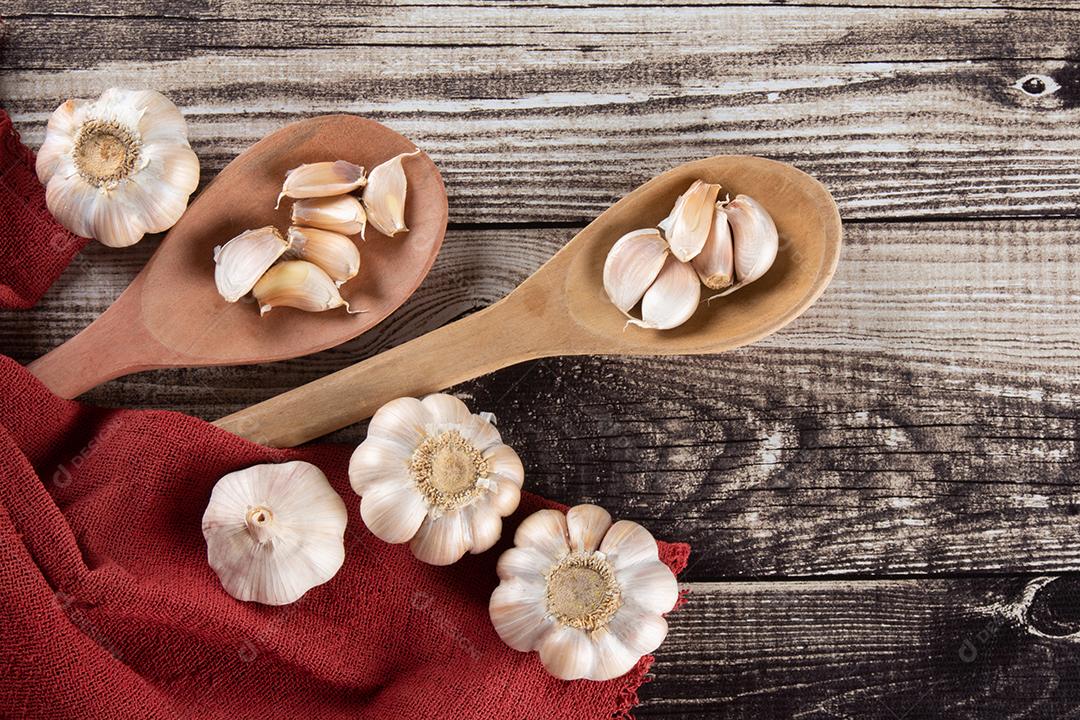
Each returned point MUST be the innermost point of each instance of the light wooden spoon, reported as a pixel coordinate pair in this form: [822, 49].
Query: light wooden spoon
[172, 316]
[562, 308]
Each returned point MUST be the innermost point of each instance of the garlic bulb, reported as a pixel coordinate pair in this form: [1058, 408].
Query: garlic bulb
[632, 265]
[331, 251]
[240, 262]
[273, 532]
[754, 240]
[298, 284]
[715, 264]
[434, 475]
[117, 167]
[384, 196]
[687, 227]
[341, 214]
[672, 299]
[587, 594]
[322, 179]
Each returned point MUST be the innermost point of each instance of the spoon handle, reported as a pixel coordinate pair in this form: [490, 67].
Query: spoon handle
[115, 344]
[480, 343]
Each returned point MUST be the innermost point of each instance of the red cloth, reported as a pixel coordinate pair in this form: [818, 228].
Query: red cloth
[34, 248]
[108, 608]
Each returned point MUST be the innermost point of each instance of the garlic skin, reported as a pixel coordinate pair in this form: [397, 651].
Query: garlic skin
[342, 214]
[384, 196]
[434, 475]
[331, 251]
[632, 265]
[273, 532]
[715, 264]
[240, 262]
[298, 284]
[322, 179]
[117, 167]
[588, 595]
[754, 239]
[672, 299]
[687, 227]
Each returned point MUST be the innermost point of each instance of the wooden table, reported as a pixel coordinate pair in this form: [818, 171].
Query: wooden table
[882, 498]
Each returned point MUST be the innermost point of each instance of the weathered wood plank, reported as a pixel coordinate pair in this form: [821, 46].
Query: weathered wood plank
[875, 650]
[548, 113]
[921, 418]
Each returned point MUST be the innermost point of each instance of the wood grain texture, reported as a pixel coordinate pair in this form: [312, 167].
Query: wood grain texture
[549, 112]
[922, 417]
[964, 649]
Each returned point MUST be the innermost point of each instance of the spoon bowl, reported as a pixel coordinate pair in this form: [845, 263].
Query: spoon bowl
[172, 315]
[562, 308]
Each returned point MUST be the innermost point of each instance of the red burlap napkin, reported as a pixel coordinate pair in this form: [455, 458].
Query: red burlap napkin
[108, 608]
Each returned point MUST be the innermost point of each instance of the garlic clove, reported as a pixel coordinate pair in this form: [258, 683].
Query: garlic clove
[331, 251]
[567, 653]
[401, 421]
[441, 540]
[672, 299]
[322, 179]
[298, 284]
[632, 265]
[627, 544]
[613, 658]
[273, 532]
[485, 526]
[655, 589]
[524, 563]
[687, 227]
[341, 214]
[715, 264]
[754, 239]
[546, 531]
[239, 263]
[384, 196]
[519, 614]
[586, 525]
[639, 631]
[392, 511]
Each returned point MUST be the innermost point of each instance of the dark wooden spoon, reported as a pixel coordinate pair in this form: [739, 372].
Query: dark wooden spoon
[172, 316]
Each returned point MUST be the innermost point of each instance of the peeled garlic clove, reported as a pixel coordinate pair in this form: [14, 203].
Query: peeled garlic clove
[240, 262]
[341, 214]
[672, 299]
[715, 264]
[334, 253]
[754, 240]
[384, 196]
[322, 179]
[273, 532]
[298, 284]
[632, 265]
[687, 227]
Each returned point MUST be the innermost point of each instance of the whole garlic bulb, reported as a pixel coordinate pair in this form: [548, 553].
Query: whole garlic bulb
[434, 475]
[273, 532]
[587, 594]
[117, 167]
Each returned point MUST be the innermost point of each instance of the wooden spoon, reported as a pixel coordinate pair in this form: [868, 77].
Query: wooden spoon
[562, 308]
[171, 314]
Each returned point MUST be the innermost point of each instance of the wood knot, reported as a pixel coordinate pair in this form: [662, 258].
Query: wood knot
[1053, 608]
